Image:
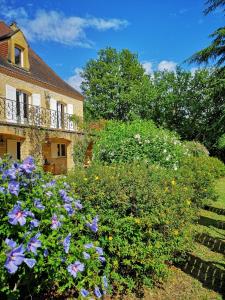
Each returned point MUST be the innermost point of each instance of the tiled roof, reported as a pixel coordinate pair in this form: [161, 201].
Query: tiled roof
[40, 73]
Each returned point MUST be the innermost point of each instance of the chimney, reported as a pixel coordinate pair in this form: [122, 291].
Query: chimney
[14, 26]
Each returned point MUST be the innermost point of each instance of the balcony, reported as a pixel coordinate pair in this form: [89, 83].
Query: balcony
[13, 112]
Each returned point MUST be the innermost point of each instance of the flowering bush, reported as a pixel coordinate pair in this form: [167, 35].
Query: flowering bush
[49, 242]
[145, 213]
[140, 141]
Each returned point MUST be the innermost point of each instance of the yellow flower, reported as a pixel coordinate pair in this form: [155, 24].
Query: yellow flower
[85, 179]
[96, 178]
[173, 182]
[188, 202]
[166, 189]
[110, 238]
[176, 232]
[138, 221]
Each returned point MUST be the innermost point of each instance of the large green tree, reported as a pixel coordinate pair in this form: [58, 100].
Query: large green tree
[115, 86]
[216, 50]
[191, 104]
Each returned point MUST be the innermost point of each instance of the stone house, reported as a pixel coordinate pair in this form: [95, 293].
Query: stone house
[38, 110]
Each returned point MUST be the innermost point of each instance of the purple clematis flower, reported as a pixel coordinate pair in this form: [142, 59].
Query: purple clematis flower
[50, 184]
[46, 252]
[62, 194]
[66, 243]
[55, 222]
[78, 205]
[30, 262]
[34, 223]
[93, 225]
[34, 243]
[2, 189]
[28, 165]
[38, 204]
[98, 294]
[84, 293]
[86, 255]
[76, 267]
[99, 250]
[105, 282]
[69, 209]
[89, 246]
[102, 259]
[10, 243]
[17, 215]
[10, 174]
[14, 188]
[14, 258]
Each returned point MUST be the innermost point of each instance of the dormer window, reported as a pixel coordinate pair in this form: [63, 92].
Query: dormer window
[18, 56]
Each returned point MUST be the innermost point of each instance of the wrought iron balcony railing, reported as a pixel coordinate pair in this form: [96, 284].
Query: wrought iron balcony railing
[15, 112]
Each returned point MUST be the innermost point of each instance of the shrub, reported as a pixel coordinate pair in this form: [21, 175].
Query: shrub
[138, 140]
[196, 149]
[145, 213]
[48, 240]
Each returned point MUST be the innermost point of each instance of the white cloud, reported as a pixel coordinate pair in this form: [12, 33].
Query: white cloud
[75, 80]
[166, 65]
[147, 65]
[55, 26]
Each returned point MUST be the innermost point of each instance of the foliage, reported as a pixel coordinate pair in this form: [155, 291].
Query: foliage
[115, 86]
[45, 233]
[196, 149]
[191, 104]
[216, 50]
[221, 142]
[138, 140]
[200, 173]
[145, 213]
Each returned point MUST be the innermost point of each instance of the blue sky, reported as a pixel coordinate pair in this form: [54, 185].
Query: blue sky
[67, 33]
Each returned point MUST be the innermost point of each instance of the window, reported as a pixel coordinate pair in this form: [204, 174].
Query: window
[21, 105]
[18, 57]
[61, 150]
[60, 115]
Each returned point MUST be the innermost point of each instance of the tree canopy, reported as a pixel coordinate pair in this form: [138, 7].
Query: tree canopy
[216, 50]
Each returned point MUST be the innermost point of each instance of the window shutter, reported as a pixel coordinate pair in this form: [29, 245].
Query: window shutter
[70, 112]
[36, 99]
[53, 112]
[54, 150]
[10, 110]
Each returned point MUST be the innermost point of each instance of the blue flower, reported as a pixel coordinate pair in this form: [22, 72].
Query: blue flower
[38, 204]
[14, 188]
[78, 205]
[34, 243]
[76, 267]
[2, 189]
[66, 243]
[69, 209]
[84, 293]
[46, 252]
[14, 258]
[98, 294]
[93, 225]
[89, 246]
[50, 184]
[16, 215]
[10, 243]
[34, 223]
[30, 262]
[102, 259]
[86, 255]
[10, 174]
[28, 165]
[55, 222]
[105, 282]
[49, 194]
[99, 250]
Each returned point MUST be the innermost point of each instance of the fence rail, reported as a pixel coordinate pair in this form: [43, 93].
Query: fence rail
[22, 113]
